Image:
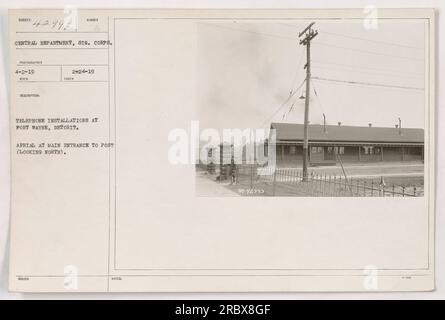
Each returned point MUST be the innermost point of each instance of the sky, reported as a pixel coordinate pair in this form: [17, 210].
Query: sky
[247, 69]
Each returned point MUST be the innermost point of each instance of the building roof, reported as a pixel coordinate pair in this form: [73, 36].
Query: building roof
[294, 132]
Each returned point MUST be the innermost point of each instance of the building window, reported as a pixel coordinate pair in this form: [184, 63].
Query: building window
[340, 150]
[371, 150]
[366, 150]
[293, 150]
[316, 149]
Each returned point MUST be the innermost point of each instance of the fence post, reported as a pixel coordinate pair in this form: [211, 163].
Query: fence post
[339, 185]
[251, 176]
[403, 191]
[315, 184]
[274, 181]
[313, 181]
[236, 174]
[329, 186]
[351, 188]
[324, 186]
[321, 184]
[364, 188]
[350, 183]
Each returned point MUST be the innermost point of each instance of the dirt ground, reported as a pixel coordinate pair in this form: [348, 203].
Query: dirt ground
[207, 186]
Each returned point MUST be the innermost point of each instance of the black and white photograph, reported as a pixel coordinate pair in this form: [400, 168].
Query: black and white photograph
[322, 108]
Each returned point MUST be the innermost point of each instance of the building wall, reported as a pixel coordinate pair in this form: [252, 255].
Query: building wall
[289, 153]
[392, 154]
[413, 153]
[370, 154]
[351, 154]
[316, 154]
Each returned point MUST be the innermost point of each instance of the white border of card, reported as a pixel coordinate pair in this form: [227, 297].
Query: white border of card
[103, 218]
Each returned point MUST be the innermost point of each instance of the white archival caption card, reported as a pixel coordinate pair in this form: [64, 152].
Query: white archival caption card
[222, 150]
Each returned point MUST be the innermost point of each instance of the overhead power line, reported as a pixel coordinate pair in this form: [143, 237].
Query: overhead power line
[367, 68]
[318, 98]
[286, 113]
[300, 61]
[247, 31]
[291, 94]
[368, 52]
[360, 38]
[367, 72]
[368, 83]
[373, 41]
[294, 39]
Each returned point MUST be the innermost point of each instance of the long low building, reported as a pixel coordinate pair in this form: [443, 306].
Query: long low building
[330, 144]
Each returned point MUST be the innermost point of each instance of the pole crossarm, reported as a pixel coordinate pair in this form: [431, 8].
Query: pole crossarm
[306, 29]
[311, 35]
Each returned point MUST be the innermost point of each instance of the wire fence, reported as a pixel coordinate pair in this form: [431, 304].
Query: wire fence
[289, 181]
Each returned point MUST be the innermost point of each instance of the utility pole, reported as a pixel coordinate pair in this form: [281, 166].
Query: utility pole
[309, 34]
